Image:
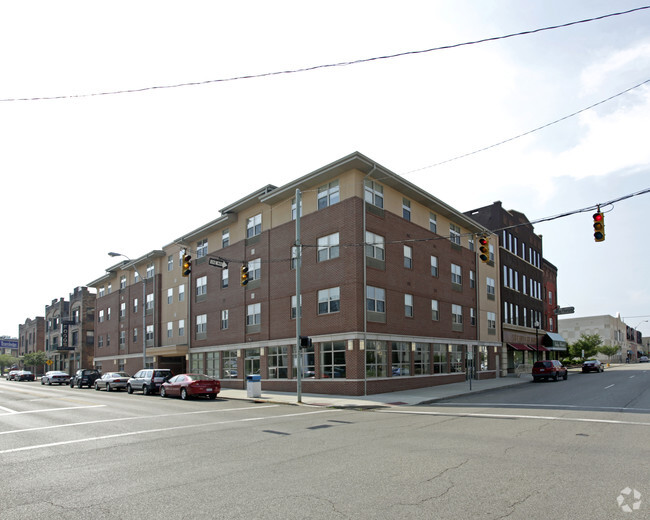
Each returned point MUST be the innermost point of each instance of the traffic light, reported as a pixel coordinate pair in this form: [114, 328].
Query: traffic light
[484, 249]
[244, 275]
[599, 226]
[186, 268]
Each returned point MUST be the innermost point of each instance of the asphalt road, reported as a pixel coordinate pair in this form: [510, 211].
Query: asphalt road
[567, 449]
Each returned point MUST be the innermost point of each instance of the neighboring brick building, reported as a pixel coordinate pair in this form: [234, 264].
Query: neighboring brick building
[393, 296]
[523, 286]
[31, 336]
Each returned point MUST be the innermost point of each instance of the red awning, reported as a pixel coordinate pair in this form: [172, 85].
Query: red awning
[540, 348]
[518, 346]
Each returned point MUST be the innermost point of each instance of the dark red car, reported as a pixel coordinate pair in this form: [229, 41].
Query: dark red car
[549, 369]
[189, 385]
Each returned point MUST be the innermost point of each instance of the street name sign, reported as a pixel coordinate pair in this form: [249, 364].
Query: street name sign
[218, 262]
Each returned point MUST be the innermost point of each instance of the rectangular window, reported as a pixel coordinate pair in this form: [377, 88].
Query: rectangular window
[170, 295]
[255, 269]
[456, 314]
[433, 222]
[225, 238]
[122, 339]
[406, 209]
[329, 300]
[454, 233]
[294, 257]
[123, 282]
[196, 363]
[135, 336]
[149, 306]
[375, 299]
[408, 257]
[224, 278]
[293, 208]
[170, 329]
[328, 247]
[293, 306]
[472, 281]
[332, 355]
[472, 316]
[201, 286]
[434, 265]
[328, 194]
[229, 364]
[435, 312]
[440, 358]
[181, 328]
[149, 335]
[254, 226]
[101, 316]
[422, 359]
[202, 248]
[491, 288]
[400, 352]
[123, 310]
[277, 360]
[170, 263]
[374, 193]
[202, 324]
[408, 305]
[212, 365]
[375, 246]
[224, 319]
[456, 274]
[181, 293]
[254, 314]
[150, 271]
[376, 358]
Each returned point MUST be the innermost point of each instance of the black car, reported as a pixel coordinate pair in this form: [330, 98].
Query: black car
[148, 380]
[593, 365]
[84, 377]
[24, 375]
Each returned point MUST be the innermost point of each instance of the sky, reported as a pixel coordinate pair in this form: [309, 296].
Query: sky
[83, 174]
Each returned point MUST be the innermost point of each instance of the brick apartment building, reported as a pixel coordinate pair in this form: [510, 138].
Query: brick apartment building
[528, 286]
[393, 295]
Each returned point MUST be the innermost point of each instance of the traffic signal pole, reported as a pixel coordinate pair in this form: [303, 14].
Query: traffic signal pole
[298, 302]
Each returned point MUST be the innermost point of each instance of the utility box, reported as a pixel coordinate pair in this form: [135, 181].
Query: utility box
[254, 385]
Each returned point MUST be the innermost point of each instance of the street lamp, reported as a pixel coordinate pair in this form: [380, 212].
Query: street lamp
[144, 326]
[536, 325]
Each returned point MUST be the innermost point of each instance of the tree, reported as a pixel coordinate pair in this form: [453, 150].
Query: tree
[7, 360]
[34, 359]
[587, 342]
[608, 350]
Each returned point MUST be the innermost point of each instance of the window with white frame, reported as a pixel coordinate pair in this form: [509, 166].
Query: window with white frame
[408, 257]
[328, 247]
[202, 324]
[456, 314]
[406, 209]
[123, 281]
[101, 292]
[294, 257]
[202, 248]
[434, 265]
[454, 233]
[491, 286]
[101, 316]
[456, 274]
[375, 299]
[135, 305]
[329, 300]
[224, 278]
[170, 329]
[375, 246]
[181, 328]
[254, 226]
[181, 293]
[472, 280]
[492, 321]
[408, 305]
[433, 222]
[170, 263]
[254, 314]
[149, 335]
[255, 269]
[123, 310]
[201, 285]
[225, 238]
[150, 271]
[293, 306]
[435, 311]
[149, 306]
[170, 295]
[472, 316]
[328, 194]
[224, 319]
[374, 193]
[293, 208]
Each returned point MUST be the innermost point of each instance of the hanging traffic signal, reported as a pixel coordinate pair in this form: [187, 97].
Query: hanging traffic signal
[186, 267]
[244, 275]
[599, 226]
[484, 249]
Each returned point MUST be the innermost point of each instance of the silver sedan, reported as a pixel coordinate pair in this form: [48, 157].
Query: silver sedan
[112, 381]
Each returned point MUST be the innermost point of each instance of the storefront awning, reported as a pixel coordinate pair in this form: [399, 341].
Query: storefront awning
[539, 348]
[554, 341]
[518, 346]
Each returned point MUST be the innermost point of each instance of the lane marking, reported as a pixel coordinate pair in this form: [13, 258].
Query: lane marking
[119, 419]
[54, 409]
[156, 430]
[9, 410]
[461, 404]
[609, 386]
[515, 416]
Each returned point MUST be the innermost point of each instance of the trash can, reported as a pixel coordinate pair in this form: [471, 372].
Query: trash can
[254, 385]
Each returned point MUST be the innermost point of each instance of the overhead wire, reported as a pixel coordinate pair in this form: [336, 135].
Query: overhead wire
[327, 65]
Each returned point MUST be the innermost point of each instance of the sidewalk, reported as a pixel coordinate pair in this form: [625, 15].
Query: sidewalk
[404, 398]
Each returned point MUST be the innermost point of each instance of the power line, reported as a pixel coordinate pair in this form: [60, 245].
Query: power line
[328, 65]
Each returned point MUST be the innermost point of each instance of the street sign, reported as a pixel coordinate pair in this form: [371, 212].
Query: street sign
[565, 310]
[218, 262]
[49, 362]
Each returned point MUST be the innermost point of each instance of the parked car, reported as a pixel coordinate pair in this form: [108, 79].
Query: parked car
[148, 380]
[55, 376]
[643, 359]
[112, 381]
[549, 369]
[84, 377]
[11, 374]
[190, 385]
[593, 365]
[24, 375]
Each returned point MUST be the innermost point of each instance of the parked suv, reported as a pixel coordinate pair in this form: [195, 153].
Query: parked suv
[84, 377]
[549, 369]
[148, 380]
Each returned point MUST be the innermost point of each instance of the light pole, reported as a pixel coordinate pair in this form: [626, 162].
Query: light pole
[143, 307]
[536, 324]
